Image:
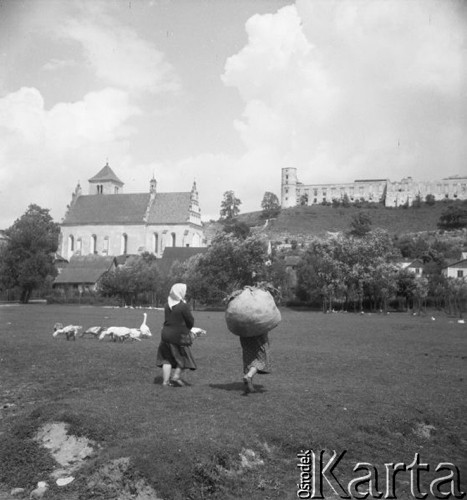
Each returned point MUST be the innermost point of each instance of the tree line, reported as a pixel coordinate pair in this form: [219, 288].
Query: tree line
[353, 271]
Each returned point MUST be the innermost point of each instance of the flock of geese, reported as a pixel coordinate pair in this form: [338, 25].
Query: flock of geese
[115, 333]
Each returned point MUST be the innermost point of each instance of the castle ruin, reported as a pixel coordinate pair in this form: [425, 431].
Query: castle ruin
[392, 194]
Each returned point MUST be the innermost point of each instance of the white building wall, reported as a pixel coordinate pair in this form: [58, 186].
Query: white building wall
[140, 238]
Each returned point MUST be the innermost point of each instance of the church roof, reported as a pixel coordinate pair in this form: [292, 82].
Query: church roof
[106, 174]
[170, 208]
[129, 208]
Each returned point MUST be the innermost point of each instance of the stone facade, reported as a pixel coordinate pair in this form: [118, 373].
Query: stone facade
[392, 194]
[111, 223]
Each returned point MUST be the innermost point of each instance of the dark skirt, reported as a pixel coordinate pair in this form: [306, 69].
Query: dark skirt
[256, 353]
[175, 355]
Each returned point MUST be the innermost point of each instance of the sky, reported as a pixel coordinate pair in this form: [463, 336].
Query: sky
[226, 93]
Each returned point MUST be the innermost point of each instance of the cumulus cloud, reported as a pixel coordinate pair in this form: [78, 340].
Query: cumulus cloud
[117, 54]
[46, 148]
[344, 89]
[53, 148]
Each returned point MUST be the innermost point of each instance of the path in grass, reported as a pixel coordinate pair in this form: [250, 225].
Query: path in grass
[361, 383]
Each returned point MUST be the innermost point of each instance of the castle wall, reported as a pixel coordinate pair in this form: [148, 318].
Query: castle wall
[406, 190]
[393, 194]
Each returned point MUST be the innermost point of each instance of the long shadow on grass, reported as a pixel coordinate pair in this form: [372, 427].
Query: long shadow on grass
[237, 386]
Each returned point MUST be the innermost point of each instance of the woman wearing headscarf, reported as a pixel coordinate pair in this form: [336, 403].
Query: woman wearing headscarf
[174, 349]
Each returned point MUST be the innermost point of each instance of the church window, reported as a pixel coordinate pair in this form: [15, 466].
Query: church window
[174, 239]
[156, 242]
[124, 244]
[71, 243]
[100, 189]
[106, 245]
[79, 243]
[116, 189]
[93, 243]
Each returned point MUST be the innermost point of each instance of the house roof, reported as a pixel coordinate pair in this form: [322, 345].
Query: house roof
[180, 254]
[58, 258]
[370, 180]
[84, 269]
[167, 208]
[409, 263]
[459, 264]
[106, 174]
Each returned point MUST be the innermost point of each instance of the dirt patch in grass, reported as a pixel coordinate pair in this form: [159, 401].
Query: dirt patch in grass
[68, 450]
[423, 430]
[118, 480]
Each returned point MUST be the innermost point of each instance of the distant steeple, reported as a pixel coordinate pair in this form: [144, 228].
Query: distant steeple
[194, 192]
[153, 185]
[195, 212]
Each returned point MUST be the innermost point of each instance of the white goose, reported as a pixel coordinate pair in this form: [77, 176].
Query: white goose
[144, 328]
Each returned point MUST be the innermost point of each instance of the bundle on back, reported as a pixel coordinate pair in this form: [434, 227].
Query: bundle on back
[251, 312]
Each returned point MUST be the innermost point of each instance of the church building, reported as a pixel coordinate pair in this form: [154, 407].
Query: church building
[109, 222]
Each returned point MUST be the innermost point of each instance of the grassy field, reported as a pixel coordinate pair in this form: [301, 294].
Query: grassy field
[382, 387]
[301, 221]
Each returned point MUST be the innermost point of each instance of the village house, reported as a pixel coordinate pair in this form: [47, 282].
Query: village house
[457, 269]
[83, 273]
[412, 266]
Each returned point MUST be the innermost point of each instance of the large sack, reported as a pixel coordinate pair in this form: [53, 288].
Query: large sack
[251, 312]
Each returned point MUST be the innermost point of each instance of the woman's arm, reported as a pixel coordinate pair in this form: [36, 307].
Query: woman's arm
[188, 317]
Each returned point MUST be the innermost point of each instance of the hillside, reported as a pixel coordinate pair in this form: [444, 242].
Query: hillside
[302, 222]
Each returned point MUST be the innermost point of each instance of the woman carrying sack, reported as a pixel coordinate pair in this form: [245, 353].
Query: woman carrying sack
[256, 358]
[174, 349]
[251, 314]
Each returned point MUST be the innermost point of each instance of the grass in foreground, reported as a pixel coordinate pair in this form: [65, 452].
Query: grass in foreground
[340, 382]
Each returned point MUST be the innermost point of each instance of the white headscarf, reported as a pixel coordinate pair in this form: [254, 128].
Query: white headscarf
[177, 294]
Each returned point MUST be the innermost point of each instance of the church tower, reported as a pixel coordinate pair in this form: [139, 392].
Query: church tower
[105, 182]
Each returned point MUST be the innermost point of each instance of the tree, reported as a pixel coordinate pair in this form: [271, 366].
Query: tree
[230, 206]
[430, 199]
[229, 264]
[270, 205]
[360, 225]
[304, 199]
[133, 282]
[349, 270]
[417, 202]
[237, 228]
[345, 201]
[406, 286]
[454, 217]
[28, 258]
